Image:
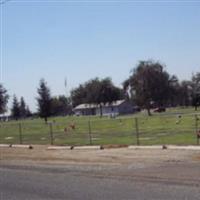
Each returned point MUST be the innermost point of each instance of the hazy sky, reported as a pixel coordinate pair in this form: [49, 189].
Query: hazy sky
[84, 39]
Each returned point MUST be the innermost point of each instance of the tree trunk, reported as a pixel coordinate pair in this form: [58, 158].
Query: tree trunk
[45, 119]
[101, 113]
[149, 112]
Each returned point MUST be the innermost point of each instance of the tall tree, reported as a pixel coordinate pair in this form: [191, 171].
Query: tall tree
[3, 99]
[15, 110]
[149, 83]
[22, 108]
[44, 100]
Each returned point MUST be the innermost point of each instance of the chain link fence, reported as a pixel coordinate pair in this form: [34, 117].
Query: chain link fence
[158, 129]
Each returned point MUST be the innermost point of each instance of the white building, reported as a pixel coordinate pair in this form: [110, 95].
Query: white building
[116, 108]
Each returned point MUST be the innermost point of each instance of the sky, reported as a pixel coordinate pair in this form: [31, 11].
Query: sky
[80, 40]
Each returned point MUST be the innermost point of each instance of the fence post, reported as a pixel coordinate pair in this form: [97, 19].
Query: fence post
[137, 131]
[20, 133]
[51, 133]
[90, 134]
[196, 129]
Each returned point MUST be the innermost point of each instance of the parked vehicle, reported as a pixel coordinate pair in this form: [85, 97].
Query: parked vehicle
[160, 109]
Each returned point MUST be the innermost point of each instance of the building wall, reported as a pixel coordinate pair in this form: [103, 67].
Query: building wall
[108, 110]
[124, 108]
[85, 111]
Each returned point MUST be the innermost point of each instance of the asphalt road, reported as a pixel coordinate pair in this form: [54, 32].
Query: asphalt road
[45, 182]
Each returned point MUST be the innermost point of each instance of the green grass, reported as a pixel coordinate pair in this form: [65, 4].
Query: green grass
[165, 128]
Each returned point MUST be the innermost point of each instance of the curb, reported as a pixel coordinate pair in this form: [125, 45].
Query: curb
[60, 148]
[170, 147]
[74, 148]
[5, 145]
[88, 147]
[16, 146]
[197, 148]
[147, 147]
[21, 146]
[98, 147]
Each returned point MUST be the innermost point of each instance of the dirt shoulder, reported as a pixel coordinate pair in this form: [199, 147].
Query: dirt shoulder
[118, 156]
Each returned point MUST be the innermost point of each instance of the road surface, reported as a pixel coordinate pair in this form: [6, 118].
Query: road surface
[168, 178]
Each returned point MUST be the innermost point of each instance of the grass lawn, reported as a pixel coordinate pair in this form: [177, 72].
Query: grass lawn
[165, 128]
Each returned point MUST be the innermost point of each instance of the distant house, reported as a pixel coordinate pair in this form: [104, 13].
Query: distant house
[116, 108]
[4, 117]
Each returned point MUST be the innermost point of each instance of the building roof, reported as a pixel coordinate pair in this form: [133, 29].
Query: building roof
[87, 105]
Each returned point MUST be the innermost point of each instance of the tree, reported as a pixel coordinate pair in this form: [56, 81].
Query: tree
[97, 91]
[22, 107]
[102, 92]
[56, 106]
[174, 92]
[3, 99]
[28, 112]
[79, 95]
[60, 106]
[15, 110]
[66, 104]
[150, 84]
[44, 100]
[185, 93]
[196, 90]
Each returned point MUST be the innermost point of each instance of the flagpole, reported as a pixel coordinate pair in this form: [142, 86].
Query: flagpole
[66, 86]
